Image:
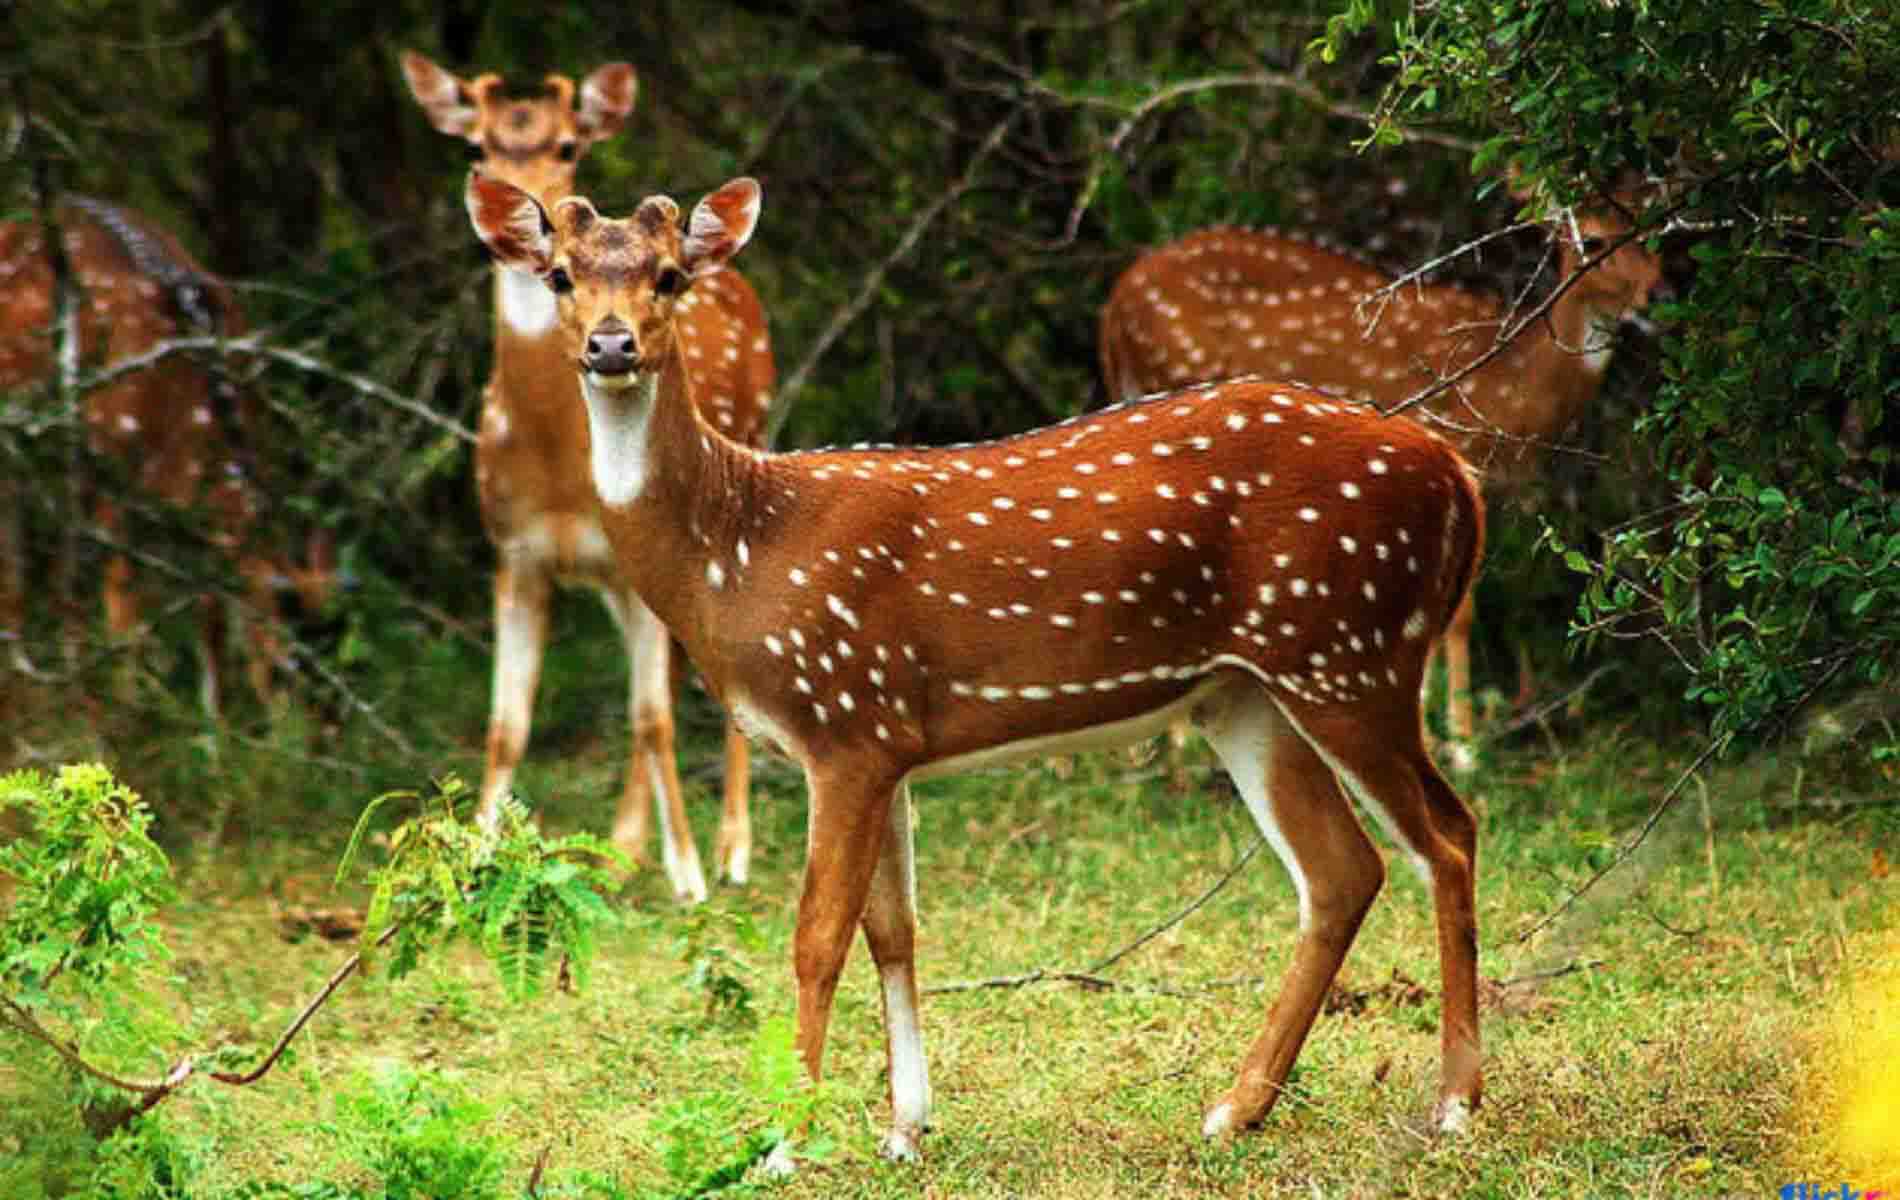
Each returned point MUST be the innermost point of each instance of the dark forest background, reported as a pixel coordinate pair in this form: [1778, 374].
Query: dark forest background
[950, 190]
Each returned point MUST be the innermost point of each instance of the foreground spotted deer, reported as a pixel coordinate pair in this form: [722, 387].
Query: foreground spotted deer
[531, 459]
[1228, 302]
[180, 430]
[1254, 556]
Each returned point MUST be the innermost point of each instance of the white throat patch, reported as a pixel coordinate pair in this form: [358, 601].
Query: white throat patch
[525, 303]
[617, 420]
[1600, 342]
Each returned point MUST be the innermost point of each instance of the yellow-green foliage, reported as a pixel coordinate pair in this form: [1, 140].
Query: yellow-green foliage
[529, 902]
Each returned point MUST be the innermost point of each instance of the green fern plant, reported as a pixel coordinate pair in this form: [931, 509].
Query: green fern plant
[145, 1160]
[422, 1137]
[714, 969]
[712, 1141]
[532, 904]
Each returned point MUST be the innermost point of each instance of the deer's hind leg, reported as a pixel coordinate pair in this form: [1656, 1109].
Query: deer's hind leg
[1378, 753]
[1337, 873]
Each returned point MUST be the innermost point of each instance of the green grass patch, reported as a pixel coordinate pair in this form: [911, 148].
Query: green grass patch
[1657, 1039]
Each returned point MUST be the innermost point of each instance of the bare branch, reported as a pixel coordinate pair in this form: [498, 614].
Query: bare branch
[1537, 712]
[1088, 982]
[1508, 330]
[18, 1017]
[1569, 968]
[1135, 115]
[842, 319]
[1091, 977]
[336, 981]
[1183, 915]
[1715, 746]
[259, 345]
[208, 29]
[315, 662]
[1417, 274]
[1629, 848]
[21, 1019]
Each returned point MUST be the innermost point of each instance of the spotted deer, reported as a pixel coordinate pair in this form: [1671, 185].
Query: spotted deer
[1261, 558]
[531, 460]
[181, 430]
[1227, 302]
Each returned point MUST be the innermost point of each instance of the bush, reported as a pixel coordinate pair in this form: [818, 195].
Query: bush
[1771, 144]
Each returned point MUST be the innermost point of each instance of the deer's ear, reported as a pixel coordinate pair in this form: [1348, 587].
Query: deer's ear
[606, 100]
[511, 223]
[444, 98]
[721, 224]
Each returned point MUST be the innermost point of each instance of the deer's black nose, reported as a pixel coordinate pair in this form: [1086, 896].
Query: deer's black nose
[610, 349]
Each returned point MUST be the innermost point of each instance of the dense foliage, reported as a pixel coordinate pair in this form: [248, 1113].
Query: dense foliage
[1770, 132]
[80, 943]
[86, 883]
[532, 904]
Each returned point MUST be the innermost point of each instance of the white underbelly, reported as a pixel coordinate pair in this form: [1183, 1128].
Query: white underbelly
[1106, 736]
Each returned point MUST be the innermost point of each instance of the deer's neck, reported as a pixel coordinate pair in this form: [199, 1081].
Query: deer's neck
[1537, 386]
[532, 378]
[679, 499]
[1583, 330]
[524, 307]
[620, 426]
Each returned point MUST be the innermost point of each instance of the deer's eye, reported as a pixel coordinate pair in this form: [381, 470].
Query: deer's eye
[1594, 245]
[477, 152]
[568, 150]
[558, 280]
[672, 281]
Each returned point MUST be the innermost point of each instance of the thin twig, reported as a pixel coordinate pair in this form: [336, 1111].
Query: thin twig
[1265, 80]
[1629, 848]
[337, 979]
[1569, 968]
[1666, 927]
[314, 662]
[1091, 977]
[842, 319]
[22, 1019]
[994, 981]
[1714, 747]
[259, 345]
[1417, 274]
[1183, 915]
[1537, 712]
[1508, 330]
[1093, 983]
[151, 1093]
[210, 28]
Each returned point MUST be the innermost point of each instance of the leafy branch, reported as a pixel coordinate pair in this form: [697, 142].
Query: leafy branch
[90, 880]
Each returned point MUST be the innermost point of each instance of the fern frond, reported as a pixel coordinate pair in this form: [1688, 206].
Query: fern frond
[362, 827]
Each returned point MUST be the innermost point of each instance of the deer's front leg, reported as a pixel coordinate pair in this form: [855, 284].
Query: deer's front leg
[523, 592]
[733, 850]
[847, 834]
[652, 765]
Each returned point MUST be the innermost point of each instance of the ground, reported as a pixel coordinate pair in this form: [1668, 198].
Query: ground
[1667, 1036]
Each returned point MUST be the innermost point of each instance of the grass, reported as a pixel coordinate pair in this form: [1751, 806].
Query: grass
[1671, 1036]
